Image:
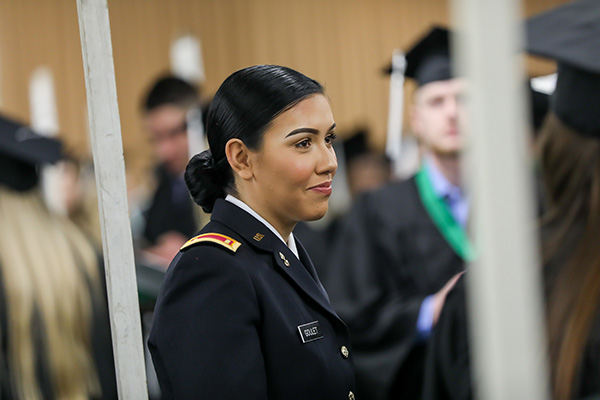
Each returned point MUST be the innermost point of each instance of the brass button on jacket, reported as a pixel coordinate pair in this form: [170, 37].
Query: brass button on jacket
[345, 352]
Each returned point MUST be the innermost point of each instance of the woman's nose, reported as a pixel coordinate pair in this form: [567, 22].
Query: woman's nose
[328, 161]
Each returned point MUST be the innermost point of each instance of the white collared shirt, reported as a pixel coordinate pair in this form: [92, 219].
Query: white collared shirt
[453, 195]
[291, 242]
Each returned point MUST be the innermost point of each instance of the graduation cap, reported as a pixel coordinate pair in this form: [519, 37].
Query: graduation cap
[570, 34]
[539, 105]
[356, 145]
[429, 59]
[21, 152]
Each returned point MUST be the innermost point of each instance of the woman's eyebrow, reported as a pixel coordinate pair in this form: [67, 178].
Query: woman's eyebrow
[302, 130]
[307, 130]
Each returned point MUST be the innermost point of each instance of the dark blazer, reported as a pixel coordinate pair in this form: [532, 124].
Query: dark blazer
[389, 256]
[227, 324]
[169, 211]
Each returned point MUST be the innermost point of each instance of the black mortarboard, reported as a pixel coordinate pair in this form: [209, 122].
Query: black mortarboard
[540, 103]
[21, 152]
[570, 34]
[355, 145]
[429, 59]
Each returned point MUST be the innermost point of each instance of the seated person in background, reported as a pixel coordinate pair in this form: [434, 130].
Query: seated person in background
[170, 218]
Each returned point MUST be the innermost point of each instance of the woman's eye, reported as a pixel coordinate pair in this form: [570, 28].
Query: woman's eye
[304, 144]
[330, 138]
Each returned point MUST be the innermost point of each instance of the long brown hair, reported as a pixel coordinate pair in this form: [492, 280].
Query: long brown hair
[49, 276]
[571, 171]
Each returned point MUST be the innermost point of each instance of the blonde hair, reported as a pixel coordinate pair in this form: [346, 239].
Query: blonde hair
[50, 280]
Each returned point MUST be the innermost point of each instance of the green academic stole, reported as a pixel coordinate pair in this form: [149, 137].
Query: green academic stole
[439, 212]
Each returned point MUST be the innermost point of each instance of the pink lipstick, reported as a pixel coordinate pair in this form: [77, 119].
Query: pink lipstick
[323, 188]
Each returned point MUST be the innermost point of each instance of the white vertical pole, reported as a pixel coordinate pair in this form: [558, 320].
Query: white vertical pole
[107, 149]
[187, 63]
[504, 285]
[185, 55]
[44, 120]
[393, 145]
[42, 102]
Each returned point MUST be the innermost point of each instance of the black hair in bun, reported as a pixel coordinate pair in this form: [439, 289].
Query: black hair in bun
[204, 181]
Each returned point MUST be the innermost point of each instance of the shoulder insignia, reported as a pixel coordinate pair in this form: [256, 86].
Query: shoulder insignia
[225, 241]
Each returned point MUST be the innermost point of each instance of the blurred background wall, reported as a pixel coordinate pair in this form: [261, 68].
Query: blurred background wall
[342, 43]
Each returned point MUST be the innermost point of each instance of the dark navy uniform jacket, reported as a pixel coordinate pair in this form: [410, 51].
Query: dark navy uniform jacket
[254, 323]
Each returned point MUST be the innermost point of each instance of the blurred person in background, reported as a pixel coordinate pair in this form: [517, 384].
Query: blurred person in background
[404, 245]
[366, 169]
[55, 338]
[77, 188]
[170, 218]
[569, 146]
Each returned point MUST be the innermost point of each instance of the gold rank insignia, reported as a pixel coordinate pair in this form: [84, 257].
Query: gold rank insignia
[285, 261]
[225, 241]
[258, 237]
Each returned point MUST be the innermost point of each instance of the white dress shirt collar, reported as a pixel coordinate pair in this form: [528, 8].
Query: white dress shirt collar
[291, 242]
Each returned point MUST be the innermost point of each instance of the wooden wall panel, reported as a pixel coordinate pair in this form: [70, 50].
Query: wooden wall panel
[342, 43]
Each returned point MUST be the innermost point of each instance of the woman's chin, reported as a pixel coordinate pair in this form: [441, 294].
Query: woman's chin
[317, 214]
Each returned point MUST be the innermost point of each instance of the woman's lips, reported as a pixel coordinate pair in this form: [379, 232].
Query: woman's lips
[323, 188]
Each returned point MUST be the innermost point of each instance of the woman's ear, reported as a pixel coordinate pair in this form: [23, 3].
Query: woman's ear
[238, 157]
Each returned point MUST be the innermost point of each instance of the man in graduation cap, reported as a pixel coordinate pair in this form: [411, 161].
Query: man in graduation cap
[404, 245]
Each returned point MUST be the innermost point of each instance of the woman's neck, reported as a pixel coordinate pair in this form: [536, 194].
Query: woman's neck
[284, 229]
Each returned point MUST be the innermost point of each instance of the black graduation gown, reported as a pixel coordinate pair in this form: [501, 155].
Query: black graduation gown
[447, 366]
[227, 324]
[389, 257]
[448, 371]
[318, 243]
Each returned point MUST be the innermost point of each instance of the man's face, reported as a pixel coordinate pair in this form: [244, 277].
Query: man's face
[168, 132]
[436, 116]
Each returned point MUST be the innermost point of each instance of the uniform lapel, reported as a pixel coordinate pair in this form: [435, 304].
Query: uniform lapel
[303, 276]
[307, 262]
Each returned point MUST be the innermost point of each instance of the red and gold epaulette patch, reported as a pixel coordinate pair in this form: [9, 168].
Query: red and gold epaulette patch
[225, 241]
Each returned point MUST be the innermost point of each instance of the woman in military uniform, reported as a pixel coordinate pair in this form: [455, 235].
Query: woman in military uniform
[242, 313]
